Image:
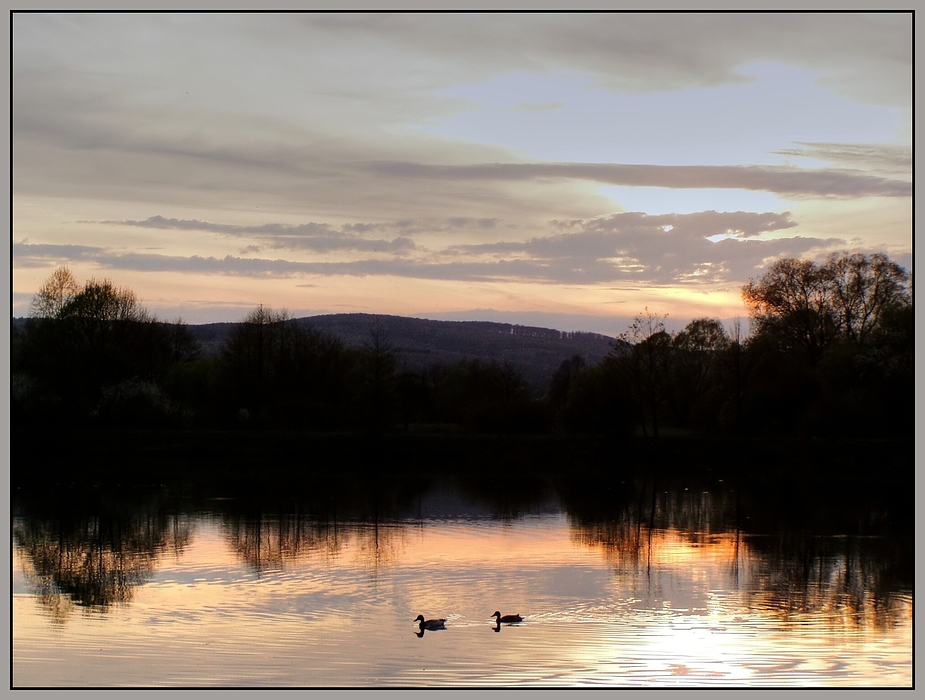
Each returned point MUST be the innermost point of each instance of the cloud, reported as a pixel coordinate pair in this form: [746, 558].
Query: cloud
[626, 247]
[311, 236]
[663, 249]
[793, 182]
[319, 237]
[865, 55]
[890, 159]
[323, 119]
[231, 127]
[43, 254]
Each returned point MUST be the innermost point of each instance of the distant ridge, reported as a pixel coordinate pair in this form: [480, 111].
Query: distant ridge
[419, 343]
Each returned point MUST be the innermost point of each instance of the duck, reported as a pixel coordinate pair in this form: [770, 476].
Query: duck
[499, 618]
[437, 624]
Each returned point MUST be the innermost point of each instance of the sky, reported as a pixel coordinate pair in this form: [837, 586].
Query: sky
[562, 170]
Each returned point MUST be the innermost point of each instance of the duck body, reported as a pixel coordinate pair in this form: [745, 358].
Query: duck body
[436, 624]
[499, 618]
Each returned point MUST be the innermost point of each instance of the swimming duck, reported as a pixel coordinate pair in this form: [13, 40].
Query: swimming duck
[430, 624]
[506, 618]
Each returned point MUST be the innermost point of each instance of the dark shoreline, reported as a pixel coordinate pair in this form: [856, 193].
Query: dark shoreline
[148, 454]
[837, 487]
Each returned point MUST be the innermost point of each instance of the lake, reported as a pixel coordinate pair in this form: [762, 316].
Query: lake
[628, 580]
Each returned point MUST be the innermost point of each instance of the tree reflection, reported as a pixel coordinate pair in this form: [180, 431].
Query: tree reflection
[788, 569]
[773, 546]
[271, 542]
[93, 552]
[859, 581]
[275, 542]
[289, 523]
[369, 516]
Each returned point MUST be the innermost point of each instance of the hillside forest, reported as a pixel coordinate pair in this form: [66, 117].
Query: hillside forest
[827, 352]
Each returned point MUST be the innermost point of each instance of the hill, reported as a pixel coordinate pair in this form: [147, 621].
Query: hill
[421, 343]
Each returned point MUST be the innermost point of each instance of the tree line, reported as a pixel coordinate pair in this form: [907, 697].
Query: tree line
[829, 352]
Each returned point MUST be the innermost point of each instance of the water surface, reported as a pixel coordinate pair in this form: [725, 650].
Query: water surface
[317, 585]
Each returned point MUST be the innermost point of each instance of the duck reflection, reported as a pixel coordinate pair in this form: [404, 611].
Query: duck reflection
[95, 554]
[506, 619]
[429, 625]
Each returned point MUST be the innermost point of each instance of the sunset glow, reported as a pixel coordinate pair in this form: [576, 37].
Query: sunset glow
[557, 170]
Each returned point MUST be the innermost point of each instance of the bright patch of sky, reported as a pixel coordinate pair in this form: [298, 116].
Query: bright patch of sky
[565, 118]
[662, 200]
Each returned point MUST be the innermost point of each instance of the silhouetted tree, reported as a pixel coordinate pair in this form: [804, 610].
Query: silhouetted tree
[561, 382]
[817, 360]
[413, 398]
[86, 341]
[270, 367]
[184, 346]
[733, 370]
[790, 303]
[647, 365]
[600, 400]
[697, 353]
[863, 288]
[55, 293]
[377, 373]
[806, 306]
[487, 397]
[101, 300]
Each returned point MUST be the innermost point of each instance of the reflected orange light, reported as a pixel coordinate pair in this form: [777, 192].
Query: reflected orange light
[675, 617]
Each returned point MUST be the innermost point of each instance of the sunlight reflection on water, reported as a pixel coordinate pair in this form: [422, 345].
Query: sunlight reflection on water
[290, 601]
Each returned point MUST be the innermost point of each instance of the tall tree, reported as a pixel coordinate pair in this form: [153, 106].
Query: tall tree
[697, 352]
[251, 353]
[647, 364]
[378, 363]
[563, 378]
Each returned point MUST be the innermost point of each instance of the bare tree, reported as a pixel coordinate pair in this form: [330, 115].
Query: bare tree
[805, 305]
[738, 374]
[862, 287]
[252, 351]
[183, 345]
[648, 363]
[791, 302]
[101, 300]
[378, 374]
[55, 294]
